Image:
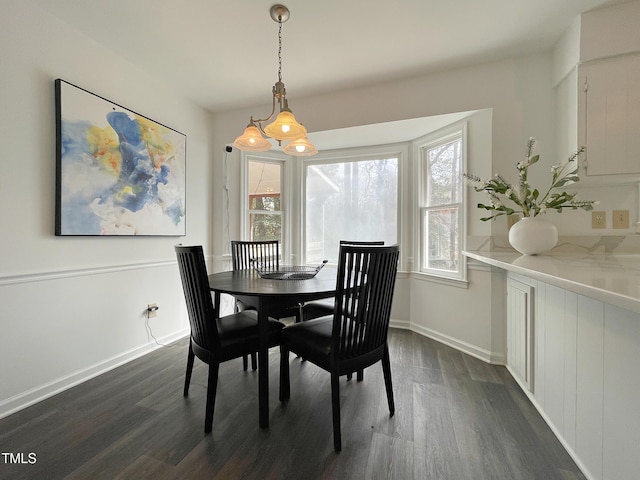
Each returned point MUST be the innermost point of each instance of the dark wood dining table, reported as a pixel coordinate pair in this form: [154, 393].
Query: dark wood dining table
[267, 296]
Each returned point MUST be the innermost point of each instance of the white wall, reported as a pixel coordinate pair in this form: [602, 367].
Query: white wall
[72, 306]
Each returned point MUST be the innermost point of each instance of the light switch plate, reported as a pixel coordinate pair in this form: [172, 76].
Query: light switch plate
[598, 219]
[621, 219]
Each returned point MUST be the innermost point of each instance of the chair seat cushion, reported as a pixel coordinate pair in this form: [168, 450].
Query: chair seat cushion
[318, 308]
[278, 313]
[241, 325]
[326, 303]
[310, 339]
[238, 335]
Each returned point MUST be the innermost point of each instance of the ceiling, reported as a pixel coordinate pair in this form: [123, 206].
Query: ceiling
[223, 55]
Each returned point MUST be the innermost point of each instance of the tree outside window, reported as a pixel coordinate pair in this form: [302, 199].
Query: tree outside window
[265, 209]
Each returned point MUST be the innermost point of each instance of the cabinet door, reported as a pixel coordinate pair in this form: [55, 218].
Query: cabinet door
[610, 115]
[621, 407]
[520, 331]
[589, 385]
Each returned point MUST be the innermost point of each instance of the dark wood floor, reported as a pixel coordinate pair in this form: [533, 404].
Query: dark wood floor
[456, 418]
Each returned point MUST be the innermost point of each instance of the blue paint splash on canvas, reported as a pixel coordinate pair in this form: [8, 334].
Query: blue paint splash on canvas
[138, 181]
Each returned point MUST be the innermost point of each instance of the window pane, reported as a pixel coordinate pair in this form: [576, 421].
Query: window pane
[444, 185]
[265, 209]
[265, 226]
[350, 201]
[441, 231]
[268, 203]
[264, 185]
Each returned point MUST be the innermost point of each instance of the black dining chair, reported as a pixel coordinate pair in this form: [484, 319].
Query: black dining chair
[214, 339]
[246, 255]
[325, 306]
[355, 336]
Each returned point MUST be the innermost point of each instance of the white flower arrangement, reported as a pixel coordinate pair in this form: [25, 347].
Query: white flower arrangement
[527, 201]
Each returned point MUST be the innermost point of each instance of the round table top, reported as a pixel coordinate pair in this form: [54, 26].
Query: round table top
[248, 282]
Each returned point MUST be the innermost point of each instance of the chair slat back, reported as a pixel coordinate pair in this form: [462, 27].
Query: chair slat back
[202, 314]
[247, 255]
[364, 293]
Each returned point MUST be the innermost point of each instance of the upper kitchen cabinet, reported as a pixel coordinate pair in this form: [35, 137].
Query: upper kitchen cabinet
[609, 89]
[609, 115]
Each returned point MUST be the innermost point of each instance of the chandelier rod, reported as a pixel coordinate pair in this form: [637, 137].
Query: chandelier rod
[279, 13]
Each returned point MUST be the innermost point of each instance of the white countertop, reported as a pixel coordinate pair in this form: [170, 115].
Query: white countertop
[610, 278]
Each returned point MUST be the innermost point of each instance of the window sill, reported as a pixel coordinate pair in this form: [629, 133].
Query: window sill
[453, 282]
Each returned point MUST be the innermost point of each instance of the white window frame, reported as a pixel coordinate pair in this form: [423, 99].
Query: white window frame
[275, 158]
[399, 151]
[435, 138]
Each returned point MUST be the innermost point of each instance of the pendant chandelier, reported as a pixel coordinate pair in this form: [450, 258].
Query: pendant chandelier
[285, 127]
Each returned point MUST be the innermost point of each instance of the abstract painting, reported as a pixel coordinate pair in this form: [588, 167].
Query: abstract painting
[118, 172]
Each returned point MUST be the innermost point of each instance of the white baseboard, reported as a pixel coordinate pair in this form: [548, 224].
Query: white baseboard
[37, 394]
[479, 353]
[400, 324]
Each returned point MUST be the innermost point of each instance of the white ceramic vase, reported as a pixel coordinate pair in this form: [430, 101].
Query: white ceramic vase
[533, 235]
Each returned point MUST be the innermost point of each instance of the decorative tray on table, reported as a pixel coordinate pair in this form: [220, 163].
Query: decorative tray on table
[289, 272]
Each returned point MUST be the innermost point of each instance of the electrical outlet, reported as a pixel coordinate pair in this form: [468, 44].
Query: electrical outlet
[598, 219]
[621, 219]
[152, 310]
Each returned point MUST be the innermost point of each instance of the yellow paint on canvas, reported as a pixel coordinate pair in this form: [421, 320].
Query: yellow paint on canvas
[124, 192]
[105, 148]
[154, 137]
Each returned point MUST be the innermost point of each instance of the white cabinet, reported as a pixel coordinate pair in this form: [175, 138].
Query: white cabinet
[519, 331]
[584, 356]
[589, 385]
[555, 368]
[574, 348]
[609, 115]
[621, 385]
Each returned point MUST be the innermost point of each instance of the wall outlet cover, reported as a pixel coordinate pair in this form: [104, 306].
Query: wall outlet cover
[621, 219]
[598, 219]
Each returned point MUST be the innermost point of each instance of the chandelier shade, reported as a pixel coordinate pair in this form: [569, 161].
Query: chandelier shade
[285, 127]
[300, 147]
[252, 140]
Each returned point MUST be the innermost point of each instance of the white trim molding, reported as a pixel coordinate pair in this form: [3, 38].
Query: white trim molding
[80, 272]
[479, 353]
